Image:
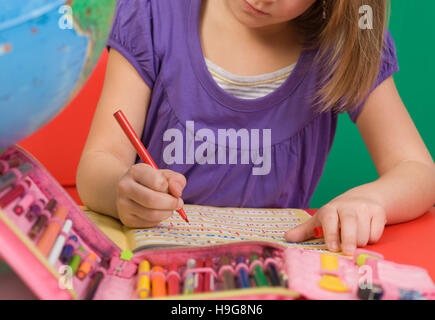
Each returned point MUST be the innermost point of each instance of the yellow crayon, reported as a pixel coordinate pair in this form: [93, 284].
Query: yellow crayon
[143, 283]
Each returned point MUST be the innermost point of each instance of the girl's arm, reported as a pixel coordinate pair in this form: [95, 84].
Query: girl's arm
[107, 179]
[404, 190]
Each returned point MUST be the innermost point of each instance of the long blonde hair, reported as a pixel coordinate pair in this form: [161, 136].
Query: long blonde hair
[349, 56]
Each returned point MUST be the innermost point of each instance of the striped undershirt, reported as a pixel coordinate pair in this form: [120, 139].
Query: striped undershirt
[248, 87]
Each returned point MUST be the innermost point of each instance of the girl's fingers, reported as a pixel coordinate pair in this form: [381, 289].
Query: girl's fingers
[149, 198]
[377, 225]
[348, 223]
[302, 232]
[149, 177]
[363, 230]
[330, 224]
[136, 216]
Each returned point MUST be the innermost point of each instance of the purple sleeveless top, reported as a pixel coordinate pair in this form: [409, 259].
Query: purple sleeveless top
[267, 152]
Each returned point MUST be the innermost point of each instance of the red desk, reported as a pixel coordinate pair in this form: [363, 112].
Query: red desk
[411, 242]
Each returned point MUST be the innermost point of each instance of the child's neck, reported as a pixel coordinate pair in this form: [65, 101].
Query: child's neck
[242, 50]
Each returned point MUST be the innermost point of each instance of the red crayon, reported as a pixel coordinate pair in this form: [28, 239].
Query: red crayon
[140, 148]
[208, 277]
[173, 281]
[12, 195]
[199, 277]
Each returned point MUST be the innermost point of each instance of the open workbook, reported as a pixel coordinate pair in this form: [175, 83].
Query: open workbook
[208, 226]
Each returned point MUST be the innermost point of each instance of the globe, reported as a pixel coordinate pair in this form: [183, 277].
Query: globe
[48, 49]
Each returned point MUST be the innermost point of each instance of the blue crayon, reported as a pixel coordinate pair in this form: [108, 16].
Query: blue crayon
[68, 250]
[242, 276]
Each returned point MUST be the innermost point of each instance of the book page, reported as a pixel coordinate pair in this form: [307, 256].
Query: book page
[213, 225]
[111, 227]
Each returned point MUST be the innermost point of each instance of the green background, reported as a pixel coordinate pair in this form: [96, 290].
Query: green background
[413, 30]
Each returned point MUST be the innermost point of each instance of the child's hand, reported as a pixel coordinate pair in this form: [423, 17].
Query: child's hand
[357, 220]
[147, 196]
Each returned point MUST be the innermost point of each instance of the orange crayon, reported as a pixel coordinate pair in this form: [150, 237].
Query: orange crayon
[50, 234]
[86, 266]
[158, 282]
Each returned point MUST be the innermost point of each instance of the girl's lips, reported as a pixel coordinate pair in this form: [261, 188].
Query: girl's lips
[249, 7]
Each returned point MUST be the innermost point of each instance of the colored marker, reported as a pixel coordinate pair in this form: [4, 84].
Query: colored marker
[60, 241]
[158, 282]
[258, 274]
[208, 277]
[68, 250]
[199, 277]
[189, 281]
[35, 209]
[283, 279]
[24, 204]
[140, 148]
[227, 275]
[5, 165]
[12, 195]
[173, 281]
[96, 279]
[48, 237]
[42, 219]
[143, 283]
[75, 261]
[86, 266]
[272, 270]
[243, 274]
[13, 175]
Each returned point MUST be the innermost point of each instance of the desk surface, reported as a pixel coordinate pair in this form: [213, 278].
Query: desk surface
[411, 243]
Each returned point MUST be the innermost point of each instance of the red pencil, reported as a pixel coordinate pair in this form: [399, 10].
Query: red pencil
[173, 281]
[200, 277]
[140, 148]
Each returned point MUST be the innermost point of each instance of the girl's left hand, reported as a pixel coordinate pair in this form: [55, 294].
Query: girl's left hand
[353, 219]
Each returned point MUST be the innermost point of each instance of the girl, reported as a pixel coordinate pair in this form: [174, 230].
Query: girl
[240, 98]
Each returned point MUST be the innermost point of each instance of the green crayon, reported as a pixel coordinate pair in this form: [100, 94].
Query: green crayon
[258, 274]
[75, 261]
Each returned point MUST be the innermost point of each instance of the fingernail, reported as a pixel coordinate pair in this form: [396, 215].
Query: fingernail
[180, 203]
[333, 245]
[178, 188]
[349, 249]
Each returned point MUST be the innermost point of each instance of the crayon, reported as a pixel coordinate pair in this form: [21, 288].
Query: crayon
[42, 220]
[173, 281]
[189, 281]
[272, 270]
[48, 237]
[12, 195]
[96, 279]
[227, 275]
[199, 277]
[208, 277]
[143, 283]
[158, 282]
[12, 176]
[24, 204]
[258, 274]
[35, 209]
[60, 241]
[75, 261]
[68, 250]
[5, 165]
[140, 148]
[242, 275]
[86, 266]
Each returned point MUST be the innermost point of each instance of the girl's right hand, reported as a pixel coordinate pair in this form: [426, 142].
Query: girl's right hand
[146, 196]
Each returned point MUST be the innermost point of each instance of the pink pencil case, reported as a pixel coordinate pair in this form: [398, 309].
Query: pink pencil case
[291, 273]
